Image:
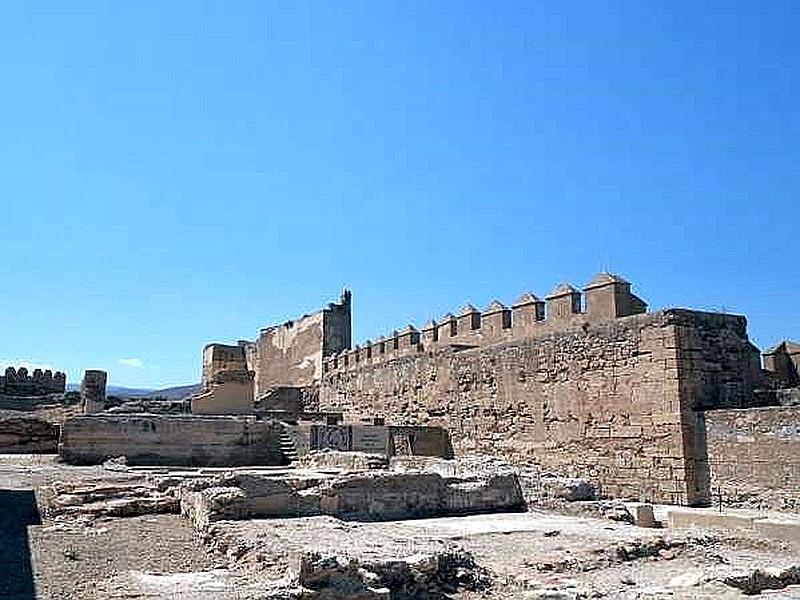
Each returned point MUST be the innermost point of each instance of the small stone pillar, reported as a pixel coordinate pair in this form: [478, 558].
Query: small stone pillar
[447, 328]
[495, 320]
[430, 333]
[93, 391]
[469, 320]
[366, 351]
[563, 302]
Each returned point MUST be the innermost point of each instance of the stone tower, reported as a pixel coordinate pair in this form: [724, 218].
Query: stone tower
[93, 391]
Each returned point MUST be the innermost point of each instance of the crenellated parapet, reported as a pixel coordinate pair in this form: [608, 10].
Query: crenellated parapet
[19, 382]
[605, 297]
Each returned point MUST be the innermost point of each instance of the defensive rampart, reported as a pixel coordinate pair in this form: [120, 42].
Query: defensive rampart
[18, 382]
[610, 393]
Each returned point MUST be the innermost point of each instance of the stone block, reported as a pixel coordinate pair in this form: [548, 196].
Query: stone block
[643, 515]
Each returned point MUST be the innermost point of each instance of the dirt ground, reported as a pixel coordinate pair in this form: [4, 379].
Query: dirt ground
[152, 556]
[527, 555]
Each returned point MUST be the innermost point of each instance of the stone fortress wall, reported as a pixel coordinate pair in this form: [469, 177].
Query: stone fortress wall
[17, 382]
[586, 383]
[609, 392]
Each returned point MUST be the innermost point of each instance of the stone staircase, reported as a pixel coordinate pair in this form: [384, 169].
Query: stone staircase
[287, 446]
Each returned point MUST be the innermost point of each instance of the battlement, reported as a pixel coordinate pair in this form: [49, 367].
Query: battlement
[18, 382]
[605, 297]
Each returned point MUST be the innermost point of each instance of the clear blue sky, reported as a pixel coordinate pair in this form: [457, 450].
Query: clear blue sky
[176, 173]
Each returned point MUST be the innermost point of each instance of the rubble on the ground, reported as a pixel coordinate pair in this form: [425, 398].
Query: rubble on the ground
[769, 578]
[417, 577]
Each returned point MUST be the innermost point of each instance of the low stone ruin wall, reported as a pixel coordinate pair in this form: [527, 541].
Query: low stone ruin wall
[216, 441]
[754, 457]
[377, 495]
[22, 433]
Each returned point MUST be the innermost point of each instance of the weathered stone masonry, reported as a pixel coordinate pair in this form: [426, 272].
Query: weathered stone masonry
[283, 356]
[754, 456]
[594, 394]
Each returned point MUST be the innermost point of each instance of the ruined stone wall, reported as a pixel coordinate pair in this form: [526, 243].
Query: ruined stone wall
[220, 361]
[227, 398]
[283, 356]
[610, 399]
[754, 457]
[290, 355]
[171, 440]
[26, 434]
[714, 368]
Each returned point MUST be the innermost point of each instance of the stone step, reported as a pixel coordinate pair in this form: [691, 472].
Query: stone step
[287, 446]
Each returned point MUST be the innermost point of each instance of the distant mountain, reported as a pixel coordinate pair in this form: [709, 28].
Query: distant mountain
[170, 393]
[179, 392]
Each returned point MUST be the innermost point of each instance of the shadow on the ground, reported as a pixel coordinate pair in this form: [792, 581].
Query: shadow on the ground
[17, 510]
